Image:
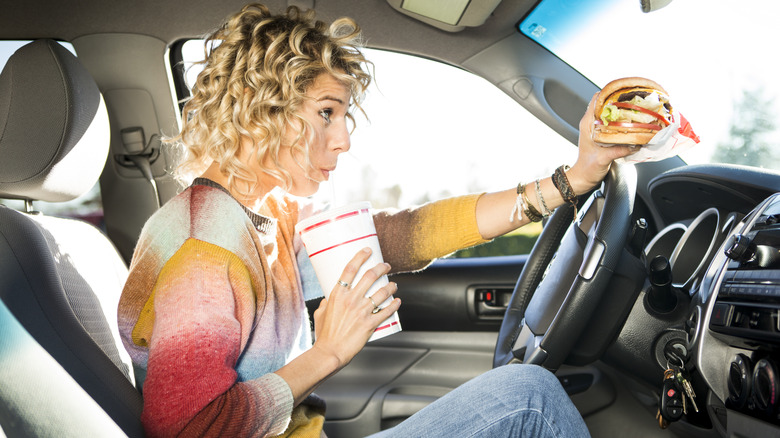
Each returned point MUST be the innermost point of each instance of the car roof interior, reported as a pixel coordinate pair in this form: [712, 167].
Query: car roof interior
[169, 21]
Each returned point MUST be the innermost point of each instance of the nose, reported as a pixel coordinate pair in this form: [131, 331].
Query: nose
[339, 140]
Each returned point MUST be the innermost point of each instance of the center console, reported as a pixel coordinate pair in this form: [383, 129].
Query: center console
[746, 314]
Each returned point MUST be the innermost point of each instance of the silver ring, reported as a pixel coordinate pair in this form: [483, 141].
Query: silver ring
[376, 308]
[343, 283]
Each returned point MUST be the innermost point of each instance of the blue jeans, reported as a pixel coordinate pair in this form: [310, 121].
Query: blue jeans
[509, 401]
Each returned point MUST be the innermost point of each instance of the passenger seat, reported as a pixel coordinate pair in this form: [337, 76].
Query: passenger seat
[60, 279]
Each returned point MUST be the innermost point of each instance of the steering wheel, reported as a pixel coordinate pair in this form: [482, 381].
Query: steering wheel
[566, 275]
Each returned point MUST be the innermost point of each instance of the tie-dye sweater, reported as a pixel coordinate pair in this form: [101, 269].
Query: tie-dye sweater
[214, 304]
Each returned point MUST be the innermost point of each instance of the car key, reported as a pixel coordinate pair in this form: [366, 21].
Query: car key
[671, 408]
[669, 390]
[684, 383]
[688, 388]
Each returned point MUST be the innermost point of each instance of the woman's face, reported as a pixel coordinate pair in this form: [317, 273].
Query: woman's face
[326, 112]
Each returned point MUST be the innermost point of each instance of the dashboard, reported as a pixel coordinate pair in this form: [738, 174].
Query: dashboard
[723, 247]
[737, 340]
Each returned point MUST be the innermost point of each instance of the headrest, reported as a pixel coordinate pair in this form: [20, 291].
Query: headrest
[54, 130]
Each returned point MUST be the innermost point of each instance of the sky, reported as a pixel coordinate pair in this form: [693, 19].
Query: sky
[704, 53]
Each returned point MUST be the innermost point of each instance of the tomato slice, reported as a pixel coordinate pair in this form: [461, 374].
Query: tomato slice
[631, 106]
[631, 125]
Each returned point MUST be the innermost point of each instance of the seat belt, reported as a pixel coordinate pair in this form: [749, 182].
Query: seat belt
[140, 154]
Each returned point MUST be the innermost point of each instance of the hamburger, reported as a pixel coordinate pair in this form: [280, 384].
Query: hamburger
[631, 111]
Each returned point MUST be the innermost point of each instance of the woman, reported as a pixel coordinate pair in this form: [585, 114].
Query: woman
[214, 306]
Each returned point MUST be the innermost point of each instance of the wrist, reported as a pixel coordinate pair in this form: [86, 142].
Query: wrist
[581, 182]
[328, 359]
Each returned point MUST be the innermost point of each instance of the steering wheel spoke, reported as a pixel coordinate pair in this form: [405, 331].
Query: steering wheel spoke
[566, 275]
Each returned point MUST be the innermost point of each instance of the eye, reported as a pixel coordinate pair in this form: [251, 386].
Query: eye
[325, 114]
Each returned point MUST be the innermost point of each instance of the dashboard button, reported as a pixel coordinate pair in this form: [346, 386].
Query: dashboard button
[740, 381]
[720, 313]
[765, 385]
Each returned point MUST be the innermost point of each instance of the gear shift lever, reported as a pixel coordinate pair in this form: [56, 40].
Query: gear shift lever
[660, 297]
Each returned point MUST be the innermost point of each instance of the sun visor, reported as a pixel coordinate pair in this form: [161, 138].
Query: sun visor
[449, 15]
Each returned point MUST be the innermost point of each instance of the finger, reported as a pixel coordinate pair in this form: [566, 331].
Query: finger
[375, 305]
[380, 296]
[628, 150]
[347, 278]
[587, 118]
[614, 152]
[388, 311]
[319, 311]
[371, 276]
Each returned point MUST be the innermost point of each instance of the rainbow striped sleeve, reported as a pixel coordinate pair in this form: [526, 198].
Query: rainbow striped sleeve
[196, 323]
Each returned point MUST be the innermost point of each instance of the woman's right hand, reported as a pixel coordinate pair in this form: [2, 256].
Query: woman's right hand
[345, 321]
[593, 161]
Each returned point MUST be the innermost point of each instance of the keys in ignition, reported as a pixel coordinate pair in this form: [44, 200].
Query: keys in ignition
[686, 385]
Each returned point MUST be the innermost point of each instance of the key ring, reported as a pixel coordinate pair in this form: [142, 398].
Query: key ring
[672, 355]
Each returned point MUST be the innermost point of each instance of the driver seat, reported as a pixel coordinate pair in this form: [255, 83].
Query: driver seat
[60, 279]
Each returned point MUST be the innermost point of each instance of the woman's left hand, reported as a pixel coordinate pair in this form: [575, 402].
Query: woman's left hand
[593, 160]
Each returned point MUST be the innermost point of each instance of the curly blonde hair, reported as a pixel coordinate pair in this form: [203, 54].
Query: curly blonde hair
[257, 69]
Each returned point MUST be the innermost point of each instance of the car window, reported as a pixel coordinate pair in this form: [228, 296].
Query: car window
[711, 58]
[87, 207]
[432, 131]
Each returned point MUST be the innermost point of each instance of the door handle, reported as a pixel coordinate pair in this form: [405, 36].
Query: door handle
[491, 302]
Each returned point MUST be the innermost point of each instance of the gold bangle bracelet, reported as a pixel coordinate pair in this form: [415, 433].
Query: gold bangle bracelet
[530, 211]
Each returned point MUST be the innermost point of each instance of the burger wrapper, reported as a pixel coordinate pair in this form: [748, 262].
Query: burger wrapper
[668, 142]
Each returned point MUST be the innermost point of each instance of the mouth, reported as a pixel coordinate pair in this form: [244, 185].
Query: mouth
[326, 172]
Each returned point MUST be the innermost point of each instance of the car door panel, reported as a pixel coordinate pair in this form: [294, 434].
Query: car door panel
[445, 296]
[394, 377]
[446, 341]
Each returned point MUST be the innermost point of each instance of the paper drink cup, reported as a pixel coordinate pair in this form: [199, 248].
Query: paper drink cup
[333, 238]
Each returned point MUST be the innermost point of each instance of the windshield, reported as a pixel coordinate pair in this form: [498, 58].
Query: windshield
[715, 59]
